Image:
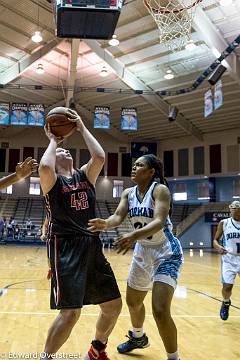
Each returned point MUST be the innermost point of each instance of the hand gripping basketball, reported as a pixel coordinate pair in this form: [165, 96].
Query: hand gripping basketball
[75, 118]
[50, 135]
[61, 122]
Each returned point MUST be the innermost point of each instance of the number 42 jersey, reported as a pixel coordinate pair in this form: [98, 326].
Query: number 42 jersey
[141, 213]
[70, 204]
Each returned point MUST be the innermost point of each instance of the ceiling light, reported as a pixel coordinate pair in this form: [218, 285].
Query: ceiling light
[169, 75]
[225, 2]
[40, 69]
[114, 41]
[104, 72]
[190, 45]
[37, 37]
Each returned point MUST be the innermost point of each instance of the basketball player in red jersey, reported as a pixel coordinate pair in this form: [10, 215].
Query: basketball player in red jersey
[23, 170]
[81, 274]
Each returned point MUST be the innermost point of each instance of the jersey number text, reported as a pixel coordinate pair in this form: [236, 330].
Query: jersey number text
[79, 201]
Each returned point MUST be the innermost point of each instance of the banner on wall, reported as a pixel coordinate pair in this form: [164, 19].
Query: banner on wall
[36, 115]
[101, 117]
[129, 119]
[208, 103]
[141, 148]
[4, 113]
[216, 216]
[218, 95]
[19, 114]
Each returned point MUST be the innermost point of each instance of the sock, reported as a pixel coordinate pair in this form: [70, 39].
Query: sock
[173, 356]
[226, 300]
[138, 332]
[98, 345]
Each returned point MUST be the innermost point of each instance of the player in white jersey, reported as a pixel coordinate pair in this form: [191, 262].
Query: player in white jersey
[229, 230]
[157, 254]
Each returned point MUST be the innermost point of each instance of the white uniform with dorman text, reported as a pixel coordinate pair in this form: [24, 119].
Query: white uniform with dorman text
[158, 257]
[231, 242]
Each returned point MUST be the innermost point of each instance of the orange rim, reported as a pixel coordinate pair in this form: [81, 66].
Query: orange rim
[163, 9]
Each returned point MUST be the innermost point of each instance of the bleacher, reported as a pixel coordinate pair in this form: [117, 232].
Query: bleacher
[103, 211]
[22, 209]
[7, 207]
[181, 212]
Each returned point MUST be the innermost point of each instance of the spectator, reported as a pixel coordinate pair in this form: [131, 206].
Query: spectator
[16, 232]
[29, 224]
[10, 227]
[1, 228]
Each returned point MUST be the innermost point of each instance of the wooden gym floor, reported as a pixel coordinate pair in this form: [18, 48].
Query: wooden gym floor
[25, 315]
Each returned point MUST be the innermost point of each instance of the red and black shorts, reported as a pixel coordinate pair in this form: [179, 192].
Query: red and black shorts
[81, 274]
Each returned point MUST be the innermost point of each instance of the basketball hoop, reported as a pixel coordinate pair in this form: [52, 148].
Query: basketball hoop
[174, 20]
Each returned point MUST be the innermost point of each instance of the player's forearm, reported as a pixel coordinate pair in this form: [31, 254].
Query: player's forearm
[49, 157]
[150, 229]
[93, 145]
[8, 180]
[113, 221]
[216, 244]
[43, 230]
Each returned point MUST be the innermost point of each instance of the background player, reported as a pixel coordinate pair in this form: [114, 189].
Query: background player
[229, 230]
[81, 274]
[157, 255]
[23, 170]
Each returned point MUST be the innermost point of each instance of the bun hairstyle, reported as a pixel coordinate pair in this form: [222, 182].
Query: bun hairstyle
[156, 164]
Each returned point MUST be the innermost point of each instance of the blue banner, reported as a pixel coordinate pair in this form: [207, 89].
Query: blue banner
[4, 113]
[101, 117]
[36, 115]
[218, 95]
[19, 114]
[139, 149]
[208, 103]
[129, 119]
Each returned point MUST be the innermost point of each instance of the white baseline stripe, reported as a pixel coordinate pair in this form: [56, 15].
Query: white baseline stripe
[96, 315]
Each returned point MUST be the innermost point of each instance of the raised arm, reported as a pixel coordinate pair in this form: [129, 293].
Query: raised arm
[217, 238]
[162, 197]
[47, 164]
[114, 220]
[23, 170]
[93, 168]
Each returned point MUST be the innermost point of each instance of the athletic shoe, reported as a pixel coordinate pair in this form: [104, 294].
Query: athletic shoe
[133, 343]
[93, 354]
[224, 311]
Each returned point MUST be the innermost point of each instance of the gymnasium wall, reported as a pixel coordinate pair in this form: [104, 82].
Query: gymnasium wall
[225, 188]
[200, 232]
[229, 156]
[27, 141]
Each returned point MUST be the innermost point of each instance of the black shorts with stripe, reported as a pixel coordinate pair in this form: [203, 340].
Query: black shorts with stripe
[81, 274]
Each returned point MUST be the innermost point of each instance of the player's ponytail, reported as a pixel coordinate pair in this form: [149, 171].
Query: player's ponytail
[157, 165]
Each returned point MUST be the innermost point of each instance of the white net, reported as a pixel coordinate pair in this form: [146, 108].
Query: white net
[174, 20]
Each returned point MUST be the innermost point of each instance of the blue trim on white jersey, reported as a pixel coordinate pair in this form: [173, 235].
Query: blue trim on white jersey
[171, 266]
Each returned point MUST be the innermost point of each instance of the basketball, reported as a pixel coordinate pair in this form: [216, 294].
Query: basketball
[60, 125]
